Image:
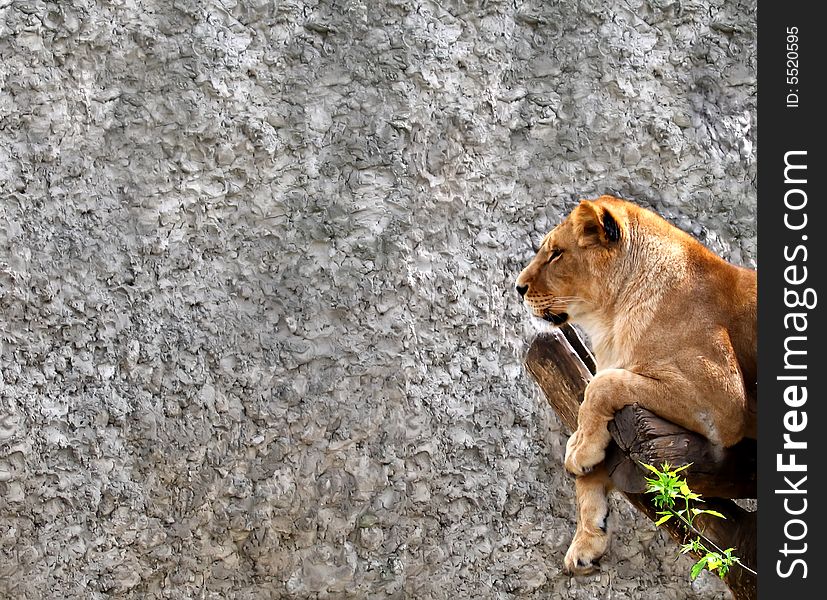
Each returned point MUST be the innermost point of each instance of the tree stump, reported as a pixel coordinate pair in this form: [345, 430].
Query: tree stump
[562, 366]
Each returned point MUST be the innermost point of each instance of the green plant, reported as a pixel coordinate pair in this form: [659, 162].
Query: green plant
[674, 499]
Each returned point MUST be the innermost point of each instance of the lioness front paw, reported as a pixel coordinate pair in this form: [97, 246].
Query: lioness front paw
[582, 454]
[583, 556]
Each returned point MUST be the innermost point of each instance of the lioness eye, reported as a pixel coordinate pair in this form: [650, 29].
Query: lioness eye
[554, 254]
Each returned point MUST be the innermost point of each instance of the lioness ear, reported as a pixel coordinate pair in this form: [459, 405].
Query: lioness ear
[595, 225]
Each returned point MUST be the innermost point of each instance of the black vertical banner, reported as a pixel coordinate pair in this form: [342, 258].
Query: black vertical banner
[792, 260]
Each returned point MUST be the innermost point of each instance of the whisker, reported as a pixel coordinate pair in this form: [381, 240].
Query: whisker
[549, 303]
[557, 301]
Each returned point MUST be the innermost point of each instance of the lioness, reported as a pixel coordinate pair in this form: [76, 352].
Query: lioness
[673, 328]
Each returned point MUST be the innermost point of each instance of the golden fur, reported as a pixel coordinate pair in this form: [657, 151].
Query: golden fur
[672, 326]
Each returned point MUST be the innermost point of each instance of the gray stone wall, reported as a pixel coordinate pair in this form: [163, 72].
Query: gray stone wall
[257, 327]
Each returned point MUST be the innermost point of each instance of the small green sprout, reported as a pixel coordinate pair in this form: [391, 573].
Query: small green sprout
[674, 499]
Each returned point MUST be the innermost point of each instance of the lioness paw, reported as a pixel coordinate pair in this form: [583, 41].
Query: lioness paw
[583, 556]
[582, 454]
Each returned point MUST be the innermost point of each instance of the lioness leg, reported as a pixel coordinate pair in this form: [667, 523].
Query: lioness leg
[590, 539]
[676, 400]
[607, 393]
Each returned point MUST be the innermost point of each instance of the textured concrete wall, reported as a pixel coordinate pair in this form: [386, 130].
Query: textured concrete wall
[257, 325]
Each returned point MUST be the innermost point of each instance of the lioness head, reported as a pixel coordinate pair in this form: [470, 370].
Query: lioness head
[570, 273]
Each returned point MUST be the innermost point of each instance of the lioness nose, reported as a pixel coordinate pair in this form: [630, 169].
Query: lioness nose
[522, 289]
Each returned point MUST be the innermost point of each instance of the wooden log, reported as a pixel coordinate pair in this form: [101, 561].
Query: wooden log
[558, 362]
[642, 436]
